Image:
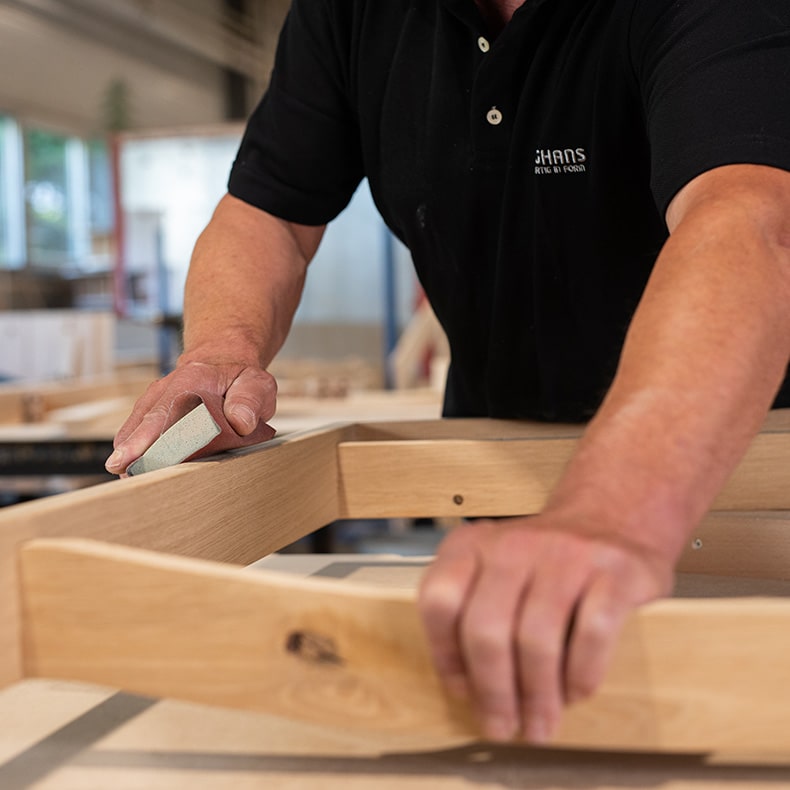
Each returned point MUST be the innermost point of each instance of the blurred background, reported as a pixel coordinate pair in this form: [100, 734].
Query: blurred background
[119, 121]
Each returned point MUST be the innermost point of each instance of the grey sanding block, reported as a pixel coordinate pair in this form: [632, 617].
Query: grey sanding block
[194, 431]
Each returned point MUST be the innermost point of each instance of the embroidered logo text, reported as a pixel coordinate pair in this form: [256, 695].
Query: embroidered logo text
[558, 161]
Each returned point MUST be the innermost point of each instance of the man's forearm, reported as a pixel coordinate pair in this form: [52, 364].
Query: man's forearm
[701, 365]
[244, 284]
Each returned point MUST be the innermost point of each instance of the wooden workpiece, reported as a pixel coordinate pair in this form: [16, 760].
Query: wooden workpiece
[70, 736]
[691, 674]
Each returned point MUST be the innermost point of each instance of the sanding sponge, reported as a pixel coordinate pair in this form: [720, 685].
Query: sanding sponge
[202, 431]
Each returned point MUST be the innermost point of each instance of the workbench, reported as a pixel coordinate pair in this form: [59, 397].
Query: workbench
[67, 736]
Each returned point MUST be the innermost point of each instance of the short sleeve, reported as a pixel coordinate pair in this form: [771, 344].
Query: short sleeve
[714, 76]
[299, 158]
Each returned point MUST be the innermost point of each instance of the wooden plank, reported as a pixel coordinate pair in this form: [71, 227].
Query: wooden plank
[511, 472]
[692, 675]
[96, 417]
[20, 403]
[449, 477]
[178, 746]
[233, 509]
[462, 429]
[745, 544]
[166, 626]
[253, 502]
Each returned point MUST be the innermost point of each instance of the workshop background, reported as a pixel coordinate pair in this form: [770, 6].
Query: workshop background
[119, 121]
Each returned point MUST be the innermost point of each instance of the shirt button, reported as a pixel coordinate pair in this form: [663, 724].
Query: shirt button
[483, 44]
[494, 116]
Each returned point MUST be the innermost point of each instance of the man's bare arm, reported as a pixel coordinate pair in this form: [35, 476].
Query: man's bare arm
[244, 284]
[523, 614]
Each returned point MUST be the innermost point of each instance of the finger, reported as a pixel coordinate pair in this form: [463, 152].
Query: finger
[251, 398]
[442, 594]
[541, 640]
[596, 628]
[153, 422]
[487, 638]
[143, 404]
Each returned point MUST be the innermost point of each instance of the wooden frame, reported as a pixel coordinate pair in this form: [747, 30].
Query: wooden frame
[339, 653]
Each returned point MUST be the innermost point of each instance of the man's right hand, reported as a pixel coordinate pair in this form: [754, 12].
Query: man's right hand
[249, 399]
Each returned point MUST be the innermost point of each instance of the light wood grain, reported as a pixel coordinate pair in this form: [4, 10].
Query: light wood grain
[313, 649]
[234, 509]
[21, 402]
[687, 676]
[181, 746]
[256, 501]
[100, 417]
[448, 468]
[746, 544]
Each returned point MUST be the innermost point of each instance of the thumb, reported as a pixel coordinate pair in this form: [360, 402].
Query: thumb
[251, 398]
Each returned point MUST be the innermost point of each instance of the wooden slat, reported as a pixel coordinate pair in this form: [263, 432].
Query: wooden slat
[463, 429]
[687, 676]
[514, 475]
[449, 477]
[165, 626]
[235, 509]
[242, 507]
[15, 398]
[745, 544]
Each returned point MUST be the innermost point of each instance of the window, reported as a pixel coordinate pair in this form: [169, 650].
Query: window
[68, 201]
[12, 237]
[4, 256]
[46, 198]
[100, 208]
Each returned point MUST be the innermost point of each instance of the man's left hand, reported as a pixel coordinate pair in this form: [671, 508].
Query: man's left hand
[523, 615]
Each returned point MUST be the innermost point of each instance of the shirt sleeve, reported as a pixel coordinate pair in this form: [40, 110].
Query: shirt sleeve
[714, 76]
[299, 158]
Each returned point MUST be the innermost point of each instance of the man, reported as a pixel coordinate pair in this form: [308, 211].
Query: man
[562, 171]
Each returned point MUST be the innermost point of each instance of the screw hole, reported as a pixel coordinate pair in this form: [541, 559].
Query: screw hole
[696, 544]
[458, 499]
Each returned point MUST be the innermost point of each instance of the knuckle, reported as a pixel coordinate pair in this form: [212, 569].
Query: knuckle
[508, 550]
[156, 414]
[487, 641]
[457, 539]
[536, 649]
[439, 600]
[597, 626]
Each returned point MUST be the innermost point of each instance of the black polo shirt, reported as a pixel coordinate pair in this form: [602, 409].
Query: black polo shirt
[528, 173]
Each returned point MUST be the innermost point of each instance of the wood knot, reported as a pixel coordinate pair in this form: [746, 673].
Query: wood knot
[312, 647]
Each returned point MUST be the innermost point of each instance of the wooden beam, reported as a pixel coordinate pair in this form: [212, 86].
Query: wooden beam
[511, 472]
[249, 503]
[449, 477]
[33, 401]
[692, 675]
[740, 544]
[234, 509]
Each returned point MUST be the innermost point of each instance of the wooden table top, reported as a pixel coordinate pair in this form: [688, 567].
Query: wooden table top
[58, 736]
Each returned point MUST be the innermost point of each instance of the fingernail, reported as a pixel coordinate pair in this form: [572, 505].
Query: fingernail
[114, 461]
[537, 730]
[499, 728]
[244, 415]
